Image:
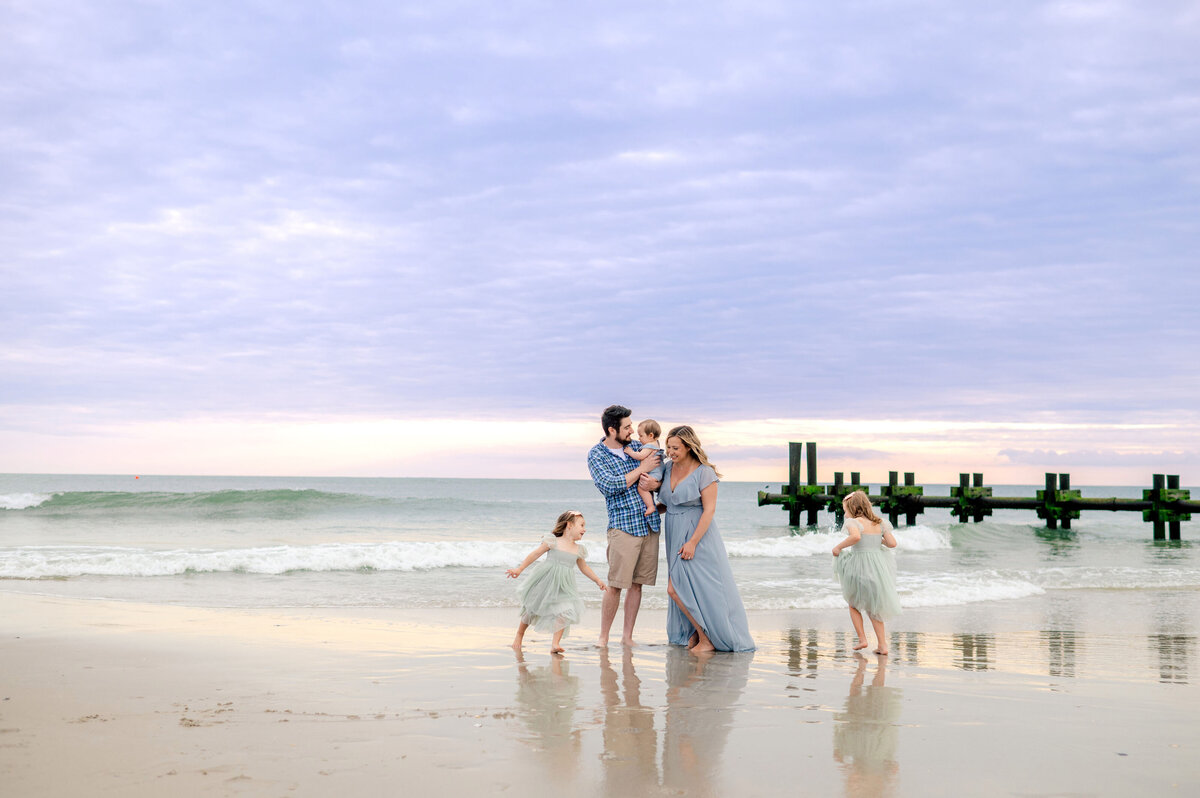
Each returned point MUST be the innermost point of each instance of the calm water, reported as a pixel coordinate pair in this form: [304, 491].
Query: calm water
[319, 542]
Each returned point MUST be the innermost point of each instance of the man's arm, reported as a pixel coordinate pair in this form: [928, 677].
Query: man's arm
[608, 476]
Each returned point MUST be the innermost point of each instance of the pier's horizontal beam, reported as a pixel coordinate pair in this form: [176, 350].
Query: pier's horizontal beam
[1165, 505]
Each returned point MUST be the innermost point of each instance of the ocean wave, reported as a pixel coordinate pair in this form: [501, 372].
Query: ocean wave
[23, 501]
[913, 538]
[49, 562]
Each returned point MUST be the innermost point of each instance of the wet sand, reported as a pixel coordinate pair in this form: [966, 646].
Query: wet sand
[101, 698]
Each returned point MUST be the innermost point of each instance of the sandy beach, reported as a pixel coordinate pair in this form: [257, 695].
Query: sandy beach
[129, 699]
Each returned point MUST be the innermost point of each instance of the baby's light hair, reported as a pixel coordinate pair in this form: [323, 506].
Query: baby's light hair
[652, 428]
[560, 525]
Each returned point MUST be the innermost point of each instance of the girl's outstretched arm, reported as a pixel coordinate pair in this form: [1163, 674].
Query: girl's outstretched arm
[853, 534]
[590, 574]
[513, 573]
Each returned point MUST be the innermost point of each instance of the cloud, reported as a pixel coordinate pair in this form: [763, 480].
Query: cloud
[865, 212]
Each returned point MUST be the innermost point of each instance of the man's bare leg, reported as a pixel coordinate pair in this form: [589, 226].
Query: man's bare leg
[608, 612]
[633, 603]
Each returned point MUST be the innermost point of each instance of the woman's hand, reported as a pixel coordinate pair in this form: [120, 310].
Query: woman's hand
[687, 551]
[513, 573]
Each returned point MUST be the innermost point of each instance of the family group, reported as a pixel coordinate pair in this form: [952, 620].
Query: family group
[675, 498]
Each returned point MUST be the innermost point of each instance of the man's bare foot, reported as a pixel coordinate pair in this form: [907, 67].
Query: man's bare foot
[628, 642]
[861, 646]
[601, 643]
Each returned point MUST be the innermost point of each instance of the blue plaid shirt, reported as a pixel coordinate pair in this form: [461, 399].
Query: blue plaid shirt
[626, 511]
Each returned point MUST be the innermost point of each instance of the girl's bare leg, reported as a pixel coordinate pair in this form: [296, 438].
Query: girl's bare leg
[881, 646]
[856, 619]
[555, 648]
[520, 638]
[702, 643]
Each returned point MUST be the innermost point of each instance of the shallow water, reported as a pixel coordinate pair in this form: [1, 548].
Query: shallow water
[337, 542]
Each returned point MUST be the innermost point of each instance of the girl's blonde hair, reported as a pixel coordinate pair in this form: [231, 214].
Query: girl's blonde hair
[858, 505]
[560, 525]
[687, 436]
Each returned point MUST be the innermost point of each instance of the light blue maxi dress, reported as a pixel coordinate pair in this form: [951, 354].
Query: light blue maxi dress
[704, 583]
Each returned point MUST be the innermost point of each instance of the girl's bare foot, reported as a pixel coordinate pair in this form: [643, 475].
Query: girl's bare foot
[881, 652]
[557, 649]
[517, 644]
[861, 646]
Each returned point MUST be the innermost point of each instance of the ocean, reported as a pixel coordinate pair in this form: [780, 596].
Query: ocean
[290, 542]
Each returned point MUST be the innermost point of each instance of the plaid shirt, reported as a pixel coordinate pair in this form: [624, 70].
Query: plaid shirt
[626, 511]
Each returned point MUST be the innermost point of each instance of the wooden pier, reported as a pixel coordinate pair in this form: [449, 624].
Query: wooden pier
[1164, 505]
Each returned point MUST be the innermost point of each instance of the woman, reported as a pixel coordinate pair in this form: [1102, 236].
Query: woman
[706, 612]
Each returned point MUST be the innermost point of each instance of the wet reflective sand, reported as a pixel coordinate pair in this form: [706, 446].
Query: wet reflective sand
[124, 699]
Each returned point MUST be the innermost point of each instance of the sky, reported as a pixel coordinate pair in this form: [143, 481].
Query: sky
[437, 239]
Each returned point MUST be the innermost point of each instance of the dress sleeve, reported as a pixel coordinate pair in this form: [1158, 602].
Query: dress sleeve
[582, 555]
[550, 540]
[706, 477]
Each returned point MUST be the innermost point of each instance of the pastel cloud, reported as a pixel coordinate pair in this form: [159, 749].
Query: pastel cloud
[911, 211]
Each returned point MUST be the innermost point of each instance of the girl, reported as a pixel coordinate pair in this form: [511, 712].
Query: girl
[549, 598]
[867, 572]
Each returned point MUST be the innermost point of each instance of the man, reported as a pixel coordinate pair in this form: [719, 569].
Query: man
[632, 535]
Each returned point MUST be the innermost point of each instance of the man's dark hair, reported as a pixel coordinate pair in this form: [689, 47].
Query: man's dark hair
[612, 417]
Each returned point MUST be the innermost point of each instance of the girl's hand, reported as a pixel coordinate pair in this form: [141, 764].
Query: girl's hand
[836, 551]
[513, 573]
[687, 551]
[603, 587]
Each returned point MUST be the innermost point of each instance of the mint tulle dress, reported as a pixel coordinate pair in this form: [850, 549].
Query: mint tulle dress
[550, 597]
[867, 573]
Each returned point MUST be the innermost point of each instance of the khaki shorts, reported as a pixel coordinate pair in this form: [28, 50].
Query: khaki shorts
[632, 560]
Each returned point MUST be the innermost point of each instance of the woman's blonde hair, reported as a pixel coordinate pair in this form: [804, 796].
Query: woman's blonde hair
[858, 505]
[687, 436]
[560, 525]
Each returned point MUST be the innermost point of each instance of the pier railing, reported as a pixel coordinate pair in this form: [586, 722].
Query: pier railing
[1164, 505]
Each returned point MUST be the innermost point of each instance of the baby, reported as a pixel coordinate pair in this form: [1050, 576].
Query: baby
[648, 432]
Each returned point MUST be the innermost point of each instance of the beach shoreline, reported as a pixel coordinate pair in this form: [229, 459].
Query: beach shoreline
[137, 699]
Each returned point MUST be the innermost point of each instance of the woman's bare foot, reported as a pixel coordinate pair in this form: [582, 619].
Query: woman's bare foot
[701, 648]
[693, 640]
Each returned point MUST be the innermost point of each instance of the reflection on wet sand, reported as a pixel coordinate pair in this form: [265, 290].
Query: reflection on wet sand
[973, 651]
[702, 691]
[547, 697]
[630, 758]
[1174, 651]
[803, 652]
[1060, 652]
[865, 734]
